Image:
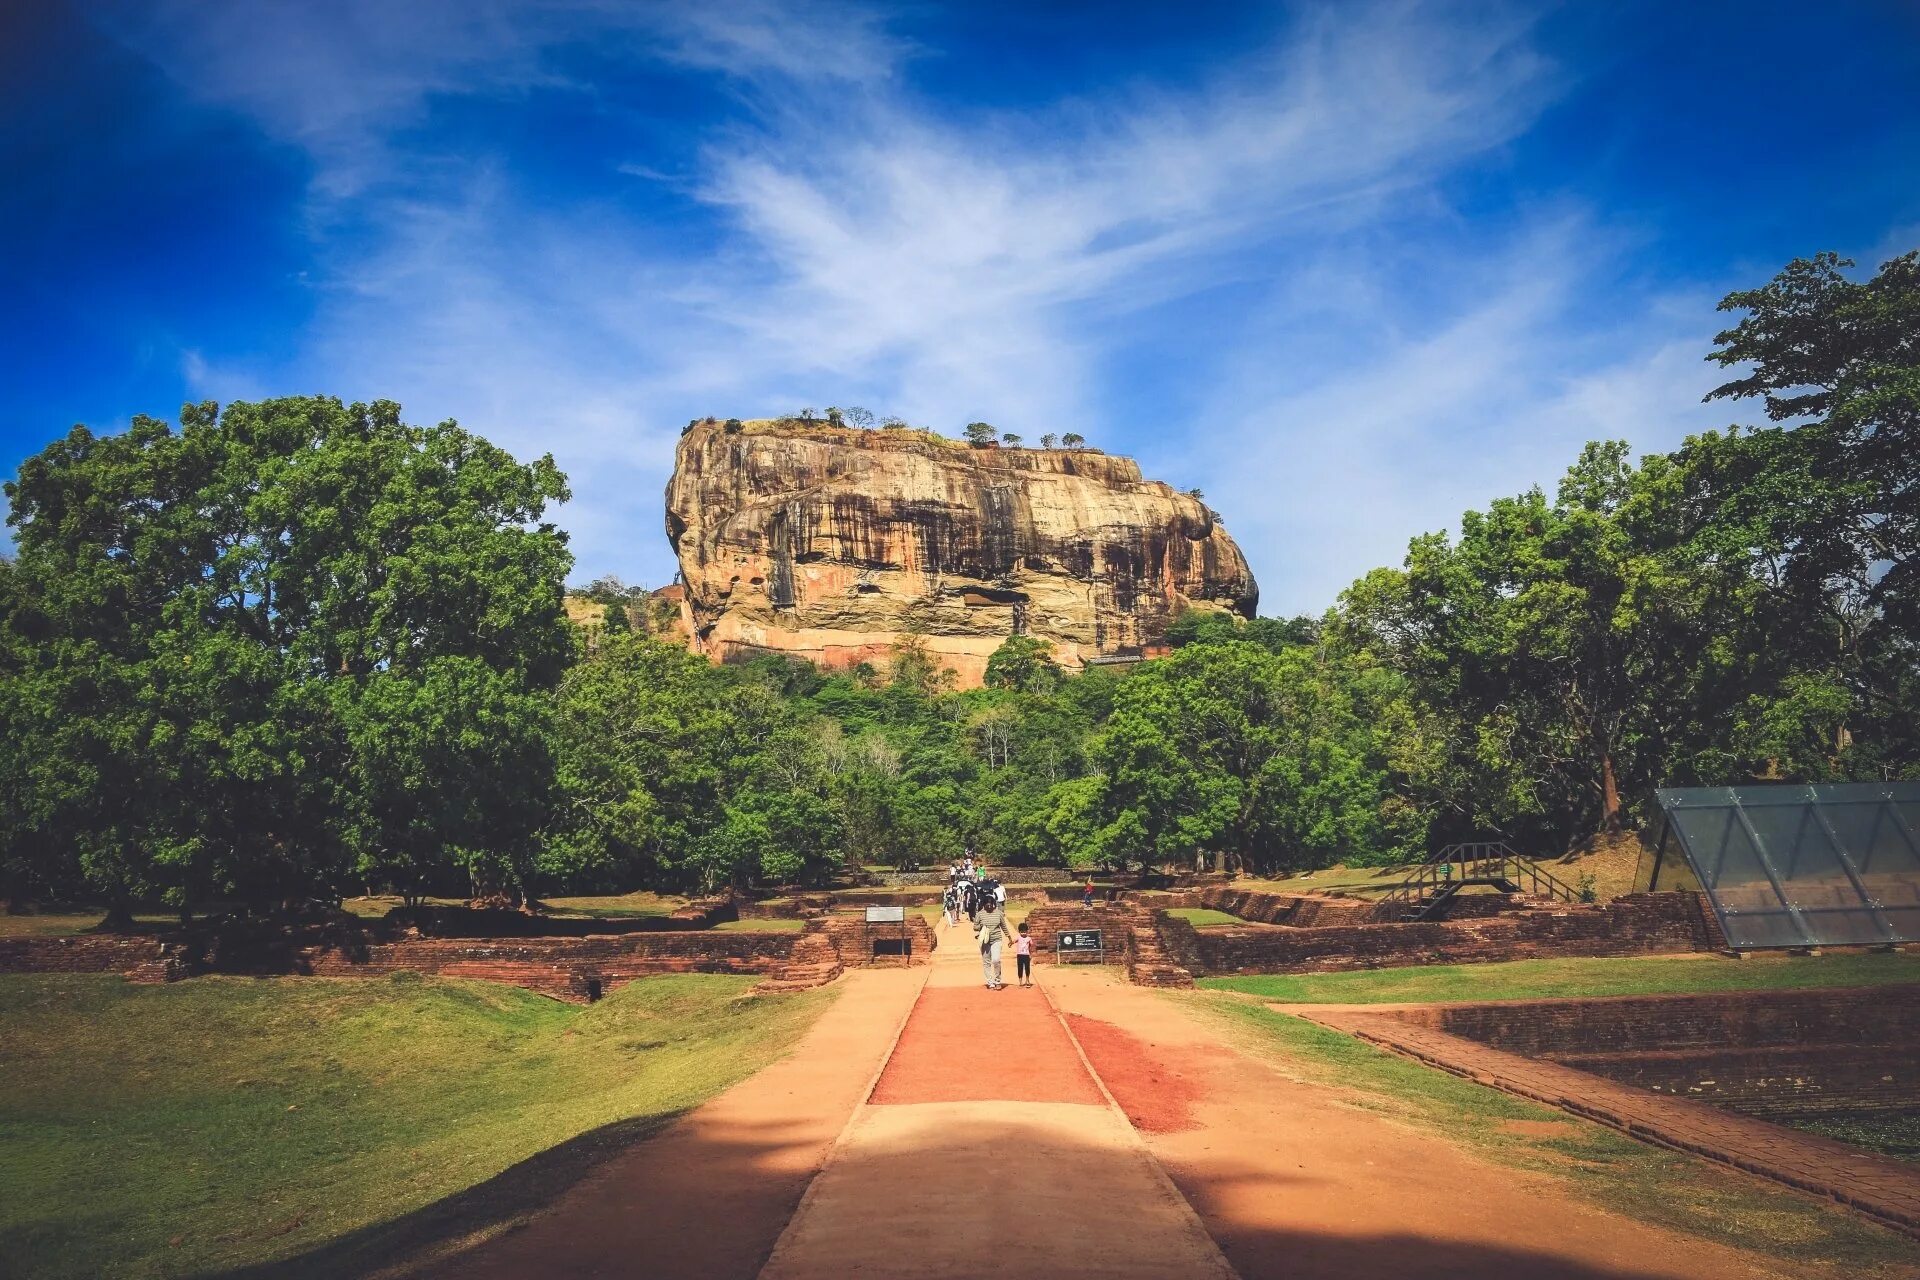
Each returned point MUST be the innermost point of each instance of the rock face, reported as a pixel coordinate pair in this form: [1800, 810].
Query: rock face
[831, 544]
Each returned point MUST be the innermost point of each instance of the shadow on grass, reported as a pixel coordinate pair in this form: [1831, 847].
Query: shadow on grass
[417, 1239]
[710, 1205]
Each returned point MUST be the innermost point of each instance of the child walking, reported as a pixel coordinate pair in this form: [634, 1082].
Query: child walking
[1023, 956]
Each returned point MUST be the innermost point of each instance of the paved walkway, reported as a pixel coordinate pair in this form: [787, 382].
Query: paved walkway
[1888, 1190]
[707, 1198]
[989, 1148]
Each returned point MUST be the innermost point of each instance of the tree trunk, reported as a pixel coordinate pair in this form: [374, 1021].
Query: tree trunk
[119, 917]
[1609, 797]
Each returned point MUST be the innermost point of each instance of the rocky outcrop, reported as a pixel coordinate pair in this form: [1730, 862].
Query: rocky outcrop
[831, 544]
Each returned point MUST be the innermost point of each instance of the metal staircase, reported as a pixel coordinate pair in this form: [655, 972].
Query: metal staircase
[1429, 886]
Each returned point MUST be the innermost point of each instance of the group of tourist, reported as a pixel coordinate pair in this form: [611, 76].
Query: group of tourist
[983, 901]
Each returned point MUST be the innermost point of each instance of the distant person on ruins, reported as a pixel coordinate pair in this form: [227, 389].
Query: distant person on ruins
[1023, 956]
[1086, 895]
[950, 904]
[992, 923]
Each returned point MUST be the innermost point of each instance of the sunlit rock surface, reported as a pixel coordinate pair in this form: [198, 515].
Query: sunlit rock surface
[830, 543]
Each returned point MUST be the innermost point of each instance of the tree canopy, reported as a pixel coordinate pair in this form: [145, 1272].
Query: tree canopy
[292, 648]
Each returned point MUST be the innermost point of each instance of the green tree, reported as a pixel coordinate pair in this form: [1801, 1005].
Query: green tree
[1023, 663]
[213, 623]
[1826, 509]
[980, 434]
[1073, 440]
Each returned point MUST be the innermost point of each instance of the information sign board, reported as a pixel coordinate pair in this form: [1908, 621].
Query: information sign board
[1079, 942]
[886, 915]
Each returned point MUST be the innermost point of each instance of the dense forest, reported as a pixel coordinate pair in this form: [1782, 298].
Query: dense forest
[298, 648]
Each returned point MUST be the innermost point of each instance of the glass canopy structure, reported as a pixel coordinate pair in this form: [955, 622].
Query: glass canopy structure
[1795, 866]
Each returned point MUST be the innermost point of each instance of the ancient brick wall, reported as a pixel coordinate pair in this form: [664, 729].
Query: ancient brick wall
[143, 959]
[1302, 910]
[1639, 924]
[1763, 1053]
[854, 939]
[466, 922]
[1045, 924]
[566, 968]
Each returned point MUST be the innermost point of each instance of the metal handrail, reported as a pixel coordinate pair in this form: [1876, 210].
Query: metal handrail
[1478, 861]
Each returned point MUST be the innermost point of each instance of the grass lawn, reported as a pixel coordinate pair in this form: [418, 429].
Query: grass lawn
[599, 907]
[1895, 1135]
[1200, 917]
[770, 925]
[61, 925]
[320, 1126]
[1685, 1194]
[1541, 979]
[613, 906]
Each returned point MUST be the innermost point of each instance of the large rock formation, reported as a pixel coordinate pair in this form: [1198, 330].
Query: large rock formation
[831, 543]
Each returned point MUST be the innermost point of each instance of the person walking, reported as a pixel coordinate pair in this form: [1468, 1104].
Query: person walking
[1086, 897]
[992, 923]
[1023, 956]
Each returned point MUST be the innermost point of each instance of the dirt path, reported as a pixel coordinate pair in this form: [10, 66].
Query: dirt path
[1295, 1183]
[706, 1199]
[988, 1149]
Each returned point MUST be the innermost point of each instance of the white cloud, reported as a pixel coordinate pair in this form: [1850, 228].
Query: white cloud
[1330, 472]
[871, 246]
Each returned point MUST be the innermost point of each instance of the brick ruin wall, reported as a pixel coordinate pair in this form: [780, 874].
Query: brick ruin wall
[567, 968]
[1046, 923]
[1637, 924]
[143, 959]
[861, 943]
[1769, 1054]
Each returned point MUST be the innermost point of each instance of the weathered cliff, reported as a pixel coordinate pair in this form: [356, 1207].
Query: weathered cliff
[830, 543]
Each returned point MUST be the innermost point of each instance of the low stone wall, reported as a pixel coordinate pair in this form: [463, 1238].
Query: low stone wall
[566, 968]
[569, 968]
[465, 922]
[1045, 924]
[1760, 1053]
[884, 897]
[1301, 910]
[1637, 924]
[142, 959]
[937, 877]
[854, 939]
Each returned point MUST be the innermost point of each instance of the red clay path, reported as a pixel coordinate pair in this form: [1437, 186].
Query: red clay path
[968, 1044]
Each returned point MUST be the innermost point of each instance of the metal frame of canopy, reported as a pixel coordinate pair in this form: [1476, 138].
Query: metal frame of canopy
[1788, 865]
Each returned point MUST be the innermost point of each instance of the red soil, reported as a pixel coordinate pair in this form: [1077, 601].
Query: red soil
[1157, 1085]
[968, 1044]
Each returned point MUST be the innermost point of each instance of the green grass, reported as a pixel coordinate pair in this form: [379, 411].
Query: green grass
[1200, 917]
[61, 924]
[616, 906]
[1541, 979]
[322, 1126]
[599, 906]
[1647, 1183]
[770, 925]
[1895, 1135]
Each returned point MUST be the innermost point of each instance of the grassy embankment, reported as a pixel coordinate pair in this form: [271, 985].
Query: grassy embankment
[1610, 863]
[1550, 979]
[1680, 1192]
[331, 1127]
[1203, 917]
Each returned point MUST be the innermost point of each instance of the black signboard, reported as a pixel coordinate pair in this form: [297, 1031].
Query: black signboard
[1079, 940]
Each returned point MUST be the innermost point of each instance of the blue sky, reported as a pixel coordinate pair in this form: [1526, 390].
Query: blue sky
[1350, 268]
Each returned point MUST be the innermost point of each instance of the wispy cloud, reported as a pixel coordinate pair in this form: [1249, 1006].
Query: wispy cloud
[861, 242]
